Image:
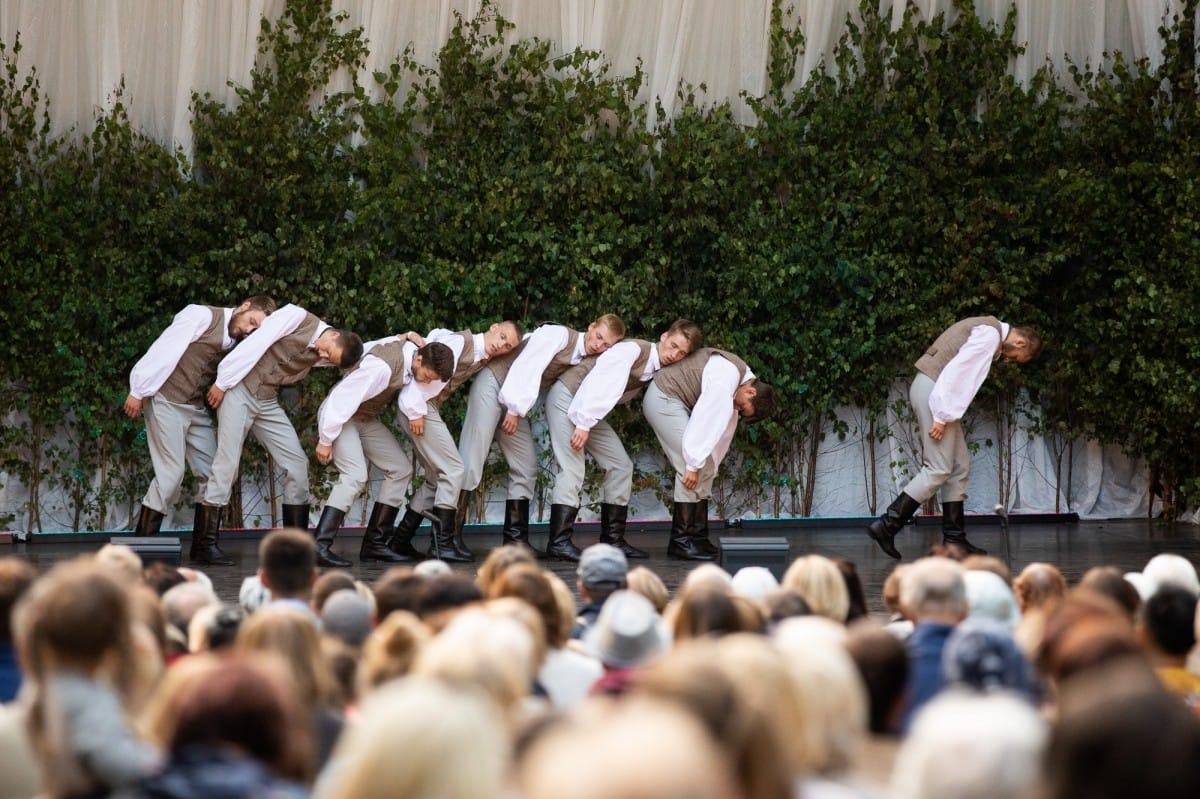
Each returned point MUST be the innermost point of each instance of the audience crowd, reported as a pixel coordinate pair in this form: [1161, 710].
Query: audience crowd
[139, 682]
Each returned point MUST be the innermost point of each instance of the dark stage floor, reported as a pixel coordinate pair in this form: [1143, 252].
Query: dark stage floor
[1073, 546]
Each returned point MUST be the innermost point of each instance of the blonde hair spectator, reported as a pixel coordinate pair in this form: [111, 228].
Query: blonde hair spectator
[649, 585]
[391, 650]
[818, 580]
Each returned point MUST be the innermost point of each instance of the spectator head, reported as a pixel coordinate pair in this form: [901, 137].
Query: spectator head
[990, 598]
[433, 723]
[882, 662]
[602, 570]
[983, 656]
[497, 561]
[390, 650]
[650, 585]
[933, 590]
[628, 632]
[1167, 625]
[1169, 569]
[346, 615]
[1108, 581]
[328, 584]
[1037, 585]
[17, 575]
[121, 562]
[398, 588]
[820, 582]
[753, 582]
[970, 746]
[443, 597]
[287, 563]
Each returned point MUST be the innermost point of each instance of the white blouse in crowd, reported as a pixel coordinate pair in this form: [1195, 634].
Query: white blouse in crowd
[160, 360]
[604, 387]
[283, 322]
[520, 389]
[960, 380]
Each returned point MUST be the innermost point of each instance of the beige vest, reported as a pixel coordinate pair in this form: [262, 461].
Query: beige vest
[197, 367]
[573, 378]
[287, 361]
[560, 363]
[683, 379]
[464, 370]
[392, 354]
[947, 345]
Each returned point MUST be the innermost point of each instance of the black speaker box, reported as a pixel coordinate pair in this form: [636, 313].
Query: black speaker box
[163, 549]
[769, 551]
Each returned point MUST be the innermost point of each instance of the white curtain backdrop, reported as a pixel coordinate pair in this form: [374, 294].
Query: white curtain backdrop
[163, 50]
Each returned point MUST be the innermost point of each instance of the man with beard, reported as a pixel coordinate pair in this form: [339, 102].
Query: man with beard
[167, 386]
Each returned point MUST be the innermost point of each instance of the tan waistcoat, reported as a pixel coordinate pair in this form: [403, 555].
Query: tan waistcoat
[560, 363]
[947, 345]
[573, 378]
[287, 361]
[683, 379]
[464, 369]
[392, 354]
[197, 368]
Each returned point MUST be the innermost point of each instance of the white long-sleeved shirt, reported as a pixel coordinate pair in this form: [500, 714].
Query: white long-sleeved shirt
[960, 380]
[237, 364]
[710, 428]
[160, 360]
[414, 397]
[370, 378]
[604, 386]
[520, 389]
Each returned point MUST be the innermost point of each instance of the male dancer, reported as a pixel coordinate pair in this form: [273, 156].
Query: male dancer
[350, 434]
[437, 498]
[693, 406]
[282, 351]
[949, 375]
[501, 398]
[575, 409]
[168, 384]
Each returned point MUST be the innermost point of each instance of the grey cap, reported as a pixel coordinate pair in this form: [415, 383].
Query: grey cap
[602, 563]
[347, 616]
[628, 632]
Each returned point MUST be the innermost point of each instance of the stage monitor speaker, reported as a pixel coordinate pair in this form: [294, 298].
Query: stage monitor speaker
[769, 551]
[151, 549]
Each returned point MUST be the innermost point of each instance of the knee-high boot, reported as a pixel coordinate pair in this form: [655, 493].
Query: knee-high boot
[327, 527]
[373, 547]
[295, 516]
[883, 530]
[700, 532]
[441, 544]
[516, 525]
[205, 531]
[612, 530]
[149, 522]
[401, 538]
[683, 525]
[954, 528]
[562, 526]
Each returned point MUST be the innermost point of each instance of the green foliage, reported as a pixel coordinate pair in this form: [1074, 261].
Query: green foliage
[908, 182]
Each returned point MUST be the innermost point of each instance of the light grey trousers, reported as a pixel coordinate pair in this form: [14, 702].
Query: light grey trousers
[356, 447]
[482, 426]
[669, 418]
[239, 413]
[439, 460]
[603, 444]
[177, 435]
[946, 463]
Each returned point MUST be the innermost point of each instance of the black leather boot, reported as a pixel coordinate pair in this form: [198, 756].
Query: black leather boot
[205, 551]
[683, 522]
[295, 516]
[400, 540]
[954, 529]
[460, 520]
[700, 532]
[327, 527]
[883, 530]
[149, 522]
[373, 546]
[516, 525]
[562, 526]
[441, 540]
[612, 530]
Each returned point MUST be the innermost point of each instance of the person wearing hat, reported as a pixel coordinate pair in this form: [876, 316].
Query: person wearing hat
[602, 570]
[693, 406]
[627, 635]
[576, 407]
[167, 387]
[351, 436]
[949, 375]
[504, 392]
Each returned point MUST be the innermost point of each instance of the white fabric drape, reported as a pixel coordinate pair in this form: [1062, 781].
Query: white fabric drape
[166, 49]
